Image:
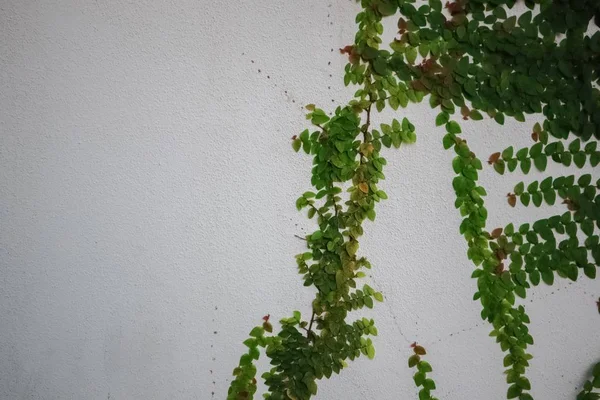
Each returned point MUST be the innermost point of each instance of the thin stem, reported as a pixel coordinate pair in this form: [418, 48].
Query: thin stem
[312, 319]
[365, 130]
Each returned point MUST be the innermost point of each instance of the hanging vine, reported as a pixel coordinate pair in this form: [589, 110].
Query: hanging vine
[468, 57]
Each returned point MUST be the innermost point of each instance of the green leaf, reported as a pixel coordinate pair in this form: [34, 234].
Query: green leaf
[371, 214]
[453, 127]
[550, 197]
[413, 360]
[371, 352]
[296, 144]
[519, 188]
[387, 9]
[312, 387]
[442, 118]
[537, 199]
[584, 180]
[587, 227]
[419, 378]
[579, 159]
[257, 331]
[319, 117]
[596, 370]
[499, 118]
[526, 165]
[429, 384]
[245, 360]
[448, 141]
[424, 367]
[522, 154]
[534, 277]
[254, 353]
[546, 184]
[548, 277]
[411, 54]
[499, 12]
[575, 145]
[424, 394]
[380, 66]
[513, 392]
[475, 115]
[523, 383]
[500, 166]
[541, 162]
[536, 150]
[590, 271]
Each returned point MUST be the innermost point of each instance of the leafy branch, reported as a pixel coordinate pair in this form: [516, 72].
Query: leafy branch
[471, 57]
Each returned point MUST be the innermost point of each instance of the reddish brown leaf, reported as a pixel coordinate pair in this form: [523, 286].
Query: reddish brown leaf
[493, 158]
[464, 110]
[499, 269]
[512, 199]
[496, 233]
[243, 396]
[363, 187]
[454, 7]
[428, 65]
[420, 350]
[418, 86]
[402, 24]
[500, 255]
[268, 327]
[347, 49]
[571, 205]
[535, 136]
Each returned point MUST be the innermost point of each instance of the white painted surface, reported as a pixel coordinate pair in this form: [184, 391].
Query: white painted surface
[147, 190]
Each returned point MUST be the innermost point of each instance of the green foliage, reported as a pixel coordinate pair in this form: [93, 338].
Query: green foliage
[588, 392]
[425, 384]
[472, 57]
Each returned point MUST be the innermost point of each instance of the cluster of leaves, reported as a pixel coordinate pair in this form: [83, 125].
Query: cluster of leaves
[541, 152]
[473, 58]
[426, 385]
[477, 59]
[345, 149]
[588, 392]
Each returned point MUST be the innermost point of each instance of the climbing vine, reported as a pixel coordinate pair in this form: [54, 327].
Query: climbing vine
[478, 59]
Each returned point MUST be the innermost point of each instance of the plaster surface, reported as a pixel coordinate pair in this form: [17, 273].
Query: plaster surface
[147, 189]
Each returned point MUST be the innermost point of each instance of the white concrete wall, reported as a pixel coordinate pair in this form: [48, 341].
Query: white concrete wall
[147, 189]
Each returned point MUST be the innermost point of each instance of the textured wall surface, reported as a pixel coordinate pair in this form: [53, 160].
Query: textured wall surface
[147, 219]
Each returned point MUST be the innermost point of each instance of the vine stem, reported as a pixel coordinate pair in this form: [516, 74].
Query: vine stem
[312, 319]
[365, 130]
